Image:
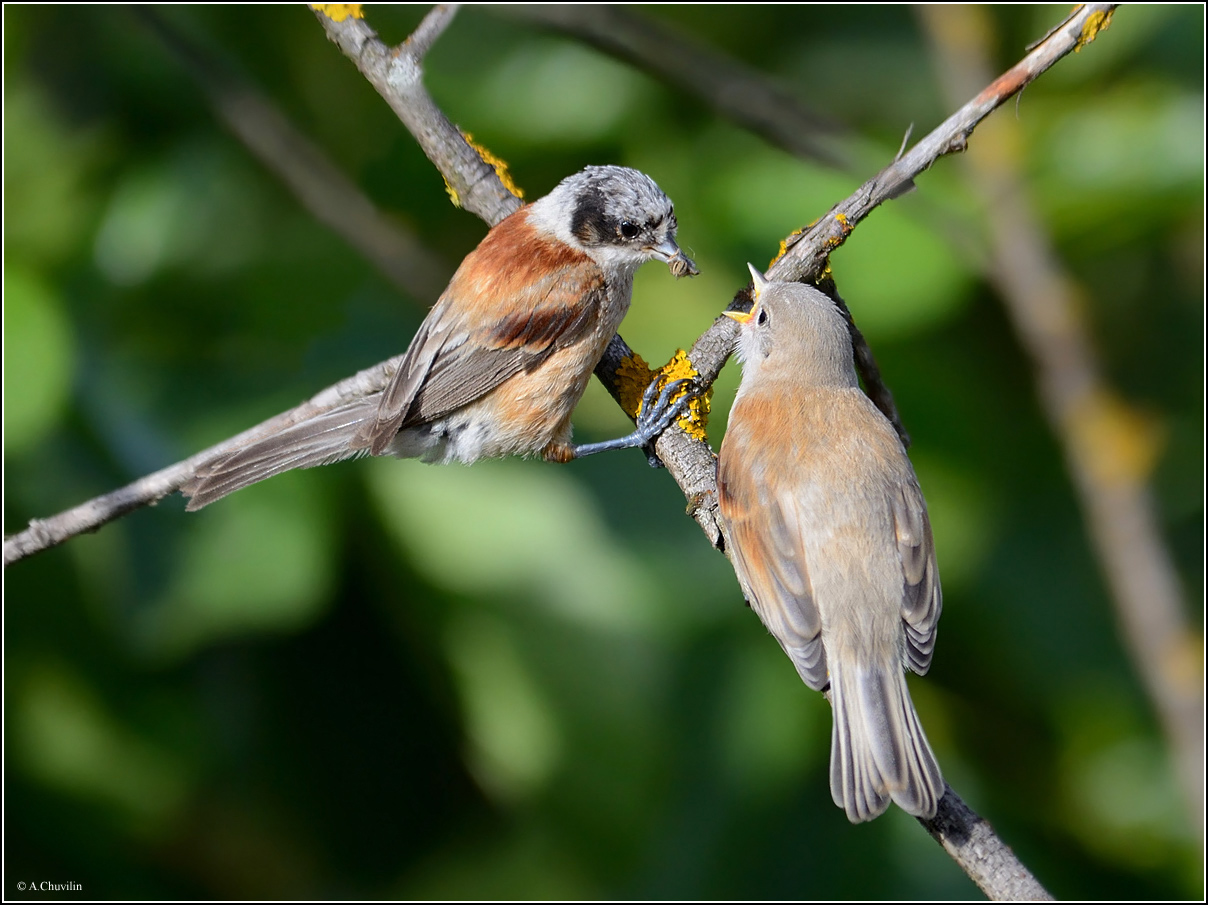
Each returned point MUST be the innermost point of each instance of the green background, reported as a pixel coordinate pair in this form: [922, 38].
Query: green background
[384, 679]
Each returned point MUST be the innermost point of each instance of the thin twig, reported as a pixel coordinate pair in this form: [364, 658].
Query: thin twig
[808, 252]
[431, 28]
[397, 75]
[150, 489]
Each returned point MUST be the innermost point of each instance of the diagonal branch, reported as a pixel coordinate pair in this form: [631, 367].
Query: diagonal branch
[396, 73]
[150, 489]
[808, 252]
[988, 861]
[735, 90]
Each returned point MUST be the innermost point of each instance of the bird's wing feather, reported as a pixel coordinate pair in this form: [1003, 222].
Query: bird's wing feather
[769, 558]
[460, 374]
[498, 318]
[922, 599]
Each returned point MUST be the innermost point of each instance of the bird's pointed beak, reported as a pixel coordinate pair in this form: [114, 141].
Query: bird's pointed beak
[673, 256]
[760, 283]
[743, 317]
[758, 280]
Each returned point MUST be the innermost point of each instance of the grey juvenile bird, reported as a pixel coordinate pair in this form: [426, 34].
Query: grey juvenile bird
[831, 542]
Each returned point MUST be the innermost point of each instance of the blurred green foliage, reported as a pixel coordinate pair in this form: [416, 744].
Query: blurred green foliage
[382, 679]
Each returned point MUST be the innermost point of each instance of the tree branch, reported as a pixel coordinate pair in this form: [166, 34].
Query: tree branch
[149, 490]
[807, 253]
[973, 844]
[397, 75]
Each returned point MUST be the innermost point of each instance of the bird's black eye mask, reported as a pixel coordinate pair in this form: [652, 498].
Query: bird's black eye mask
[592, 225]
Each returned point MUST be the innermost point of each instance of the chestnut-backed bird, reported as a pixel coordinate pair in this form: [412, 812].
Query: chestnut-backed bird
[505, 354]
[830, 540]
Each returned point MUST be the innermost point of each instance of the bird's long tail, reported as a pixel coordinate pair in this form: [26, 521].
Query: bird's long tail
[878, 749]
[318, 440]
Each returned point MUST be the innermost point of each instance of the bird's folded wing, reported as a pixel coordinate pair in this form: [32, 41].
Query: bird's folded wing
[463, 352]
[769, 558]
[922, 599]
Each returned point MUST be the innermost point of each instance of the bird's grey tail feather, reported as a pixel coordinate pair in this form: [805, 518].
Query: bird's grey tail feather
[878, 749]
[320, 440]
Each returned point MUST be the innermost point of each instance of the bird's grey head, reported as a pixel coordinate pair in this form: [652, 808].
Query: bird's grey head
[618, 216]
[799, 328]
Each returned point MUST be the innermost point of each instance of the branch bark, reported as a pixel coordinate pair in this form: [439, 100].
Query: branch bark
[396, 73]
[808, 252]
[989, 862]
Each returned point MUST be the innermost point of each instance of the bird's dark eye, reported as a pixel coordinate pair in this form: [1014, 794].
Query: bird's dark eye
[629, 229]
[763, 317]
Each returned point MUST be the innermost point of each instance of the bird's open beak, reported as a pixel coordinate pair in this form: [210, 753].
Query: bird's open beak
[679, 263]
[758, 284]
[758, 281]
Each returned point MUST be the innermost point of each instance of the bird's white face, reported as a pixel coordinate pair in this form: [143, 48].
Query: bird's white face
[617, 216]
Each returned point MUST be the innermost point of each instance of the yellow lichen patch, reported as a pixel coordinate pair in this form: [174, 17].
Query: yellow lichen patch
[1095, 23]
[498, 164]
[633, 376]
[1183, 660]
[784, 245]
[338, 12]
[696, 421]
[844, 225]
[1119, 444]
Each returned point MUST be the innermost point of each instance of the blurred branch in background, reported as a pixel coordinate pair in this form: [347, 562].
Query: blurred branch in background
[744, 95]
[321, 187]
[1110, 448]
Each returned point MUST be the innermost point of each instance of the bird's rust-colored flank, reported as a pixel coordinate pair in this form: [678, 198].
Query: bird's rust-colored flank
[546, 288]
[512, 273]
